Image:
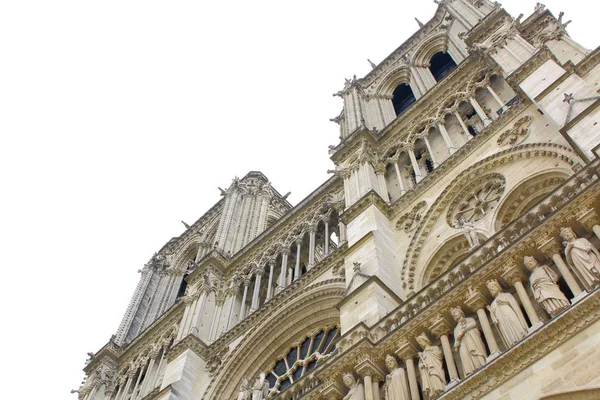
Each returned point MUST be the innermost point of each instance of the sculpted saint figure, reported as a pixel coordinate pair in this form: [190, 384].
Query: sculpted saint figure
[357, 389]
[545, 290]
[395, 387]
[583, 258]
[506, 314]
[260, 389]
[467, 340]
[244, 393]
[431, 367]
[469, 232]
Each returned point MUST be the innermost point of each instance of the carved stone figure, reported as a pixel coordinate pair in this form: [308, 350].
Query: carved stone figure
[357, 389]
[395, 387]
[506, 314]
[260, 389]
[545, 290]
[582, 257]
[431, 367]
[467, 340]
[245, 392]
[469, 232]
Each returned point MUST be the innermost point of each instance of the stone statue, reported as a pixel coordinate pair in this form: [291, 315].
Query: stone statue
[545, 290]
[244, 393]
[431, 367]
[467, 341]
[357, 389]
[395, 387]
[469, 232]
[260, 389]
[582, 257]
[506, 314]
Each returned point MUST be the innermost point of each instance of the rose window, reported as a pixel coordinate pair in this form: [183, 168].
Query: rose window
[475, 202]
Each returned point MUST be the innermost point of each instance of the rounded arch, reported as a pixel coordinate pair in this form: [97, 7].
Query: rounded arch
[441, 64]
[291, 320]
[430, 46]
[446, 255]
[525, 194]
[393, 79]
[556, 152]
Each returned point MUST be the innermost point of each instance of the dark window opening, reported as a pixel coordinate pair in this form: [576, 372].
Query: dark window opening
[429, 165]
[402, 98]
[182, 287]
[280, 368]
[441, 64]
[272, 380]
[472, 130]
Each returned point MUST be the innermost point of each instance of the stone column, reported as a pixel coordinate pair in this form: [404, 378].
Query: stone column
[92, 393]
[285, 253]
[216, 317]
[270, 284]
[326, 245]
[134, 394]
[255, 296]
[369, 371]
[380, 173]
[446, 137]
[430, 151]
[415, 165]
[407, 353]
[149, 373]
[125, 392]
[121, 383]
[484, 118]
[441, 329]
[188, 314]
[356, 183]
[477, 302]
[551, 248]
[297, 270]
[495, 96]
[376, 395]
[155, 382]
[342, 229]
[513, 276]
[399, 176]
[312, 230]
[463, 126]
[244, 298]
[233, 296]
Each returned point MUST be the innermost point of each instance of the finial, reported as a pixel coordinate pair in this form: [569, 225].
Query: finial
[373, 65]
[419, 22]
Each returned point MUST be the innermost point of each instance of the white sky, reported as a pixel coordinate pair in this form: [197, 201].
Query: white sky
[118, 119]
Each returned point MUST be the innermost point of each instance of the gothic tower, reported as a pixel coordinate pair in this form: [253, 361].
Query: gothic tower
[452, 254]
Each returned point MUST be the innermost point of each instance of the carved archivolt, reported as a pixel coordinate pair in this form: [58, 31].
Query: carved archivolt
[517, 134]
[275, 332]
[527, 193]
[561, 154]
[475, 201]
[409, 221]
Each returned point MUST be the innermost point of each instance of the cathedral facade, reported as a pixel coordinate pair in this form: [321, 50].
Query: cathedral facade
[451, 255]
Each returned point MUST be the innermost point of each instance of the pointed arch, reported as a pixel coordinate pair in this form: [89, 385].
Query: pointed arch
[413, 260]
[289, 322]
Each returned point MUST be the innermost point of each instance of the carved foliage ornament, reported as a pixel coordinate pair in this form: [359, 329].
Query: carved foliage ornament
[473, 203]
[517, 134]
[409, 221]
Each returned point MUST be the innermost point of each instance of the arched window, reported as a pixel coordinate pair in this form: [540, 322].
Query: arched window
[301, 359]
[441, 64]
[403, 97]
